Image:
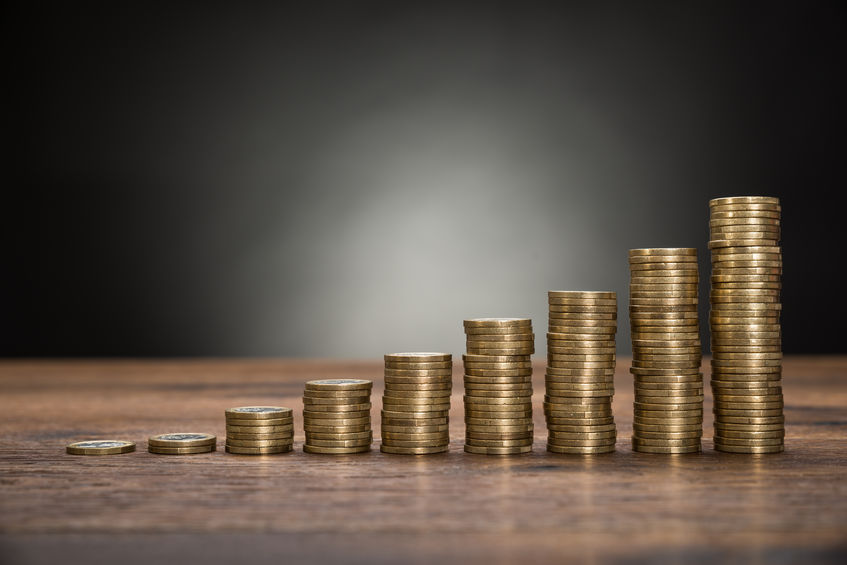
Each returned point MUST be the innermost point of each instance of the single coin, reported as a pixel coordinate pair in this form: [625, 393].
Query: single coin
[415, 423]
[498, 443]
[495, 424]
[689, 278]
[731, 427]
[419, 365]
[336, 450]
[498, 373]
[413, 450]
[471, 358]
[100, 447]
[497, 322]
[568, 317]
[577, 436]
[750, 449]
[181, 450]
[336, 429]
[495, 331]
[339, 384]
[581, 443]
[259, 412]
[443, 380]
[337, 408]
[504, 351]
[259, 443]
[666, 449]
[498, 450]
[181, 439]
[418, 372]
[414, 429]
[555, 309]
[581, 450]
[393, 387]
[260, 437]
[257, 450]
[497, 436]
[403, 415]
[418, 356]
[259, 429]
[351, 422]
[505, 339]
[342, 444]
[482, 387]
[661, 251]
[351, 436]
[429, 436]
[580, 422]
[497, 366]
[510, 380]
[581, 294]
[415, 443]
[417, 394]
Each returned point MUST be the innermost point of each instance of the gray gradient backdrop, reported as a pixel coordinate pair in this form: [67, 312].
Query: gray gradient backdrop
[351, 179]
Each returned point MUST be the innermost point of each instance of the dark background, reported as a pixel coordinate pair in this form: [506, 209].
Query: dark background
[346, 179]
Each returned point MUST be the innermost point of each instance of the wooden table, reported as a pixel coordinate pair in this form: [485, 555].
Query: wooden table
[373, 508]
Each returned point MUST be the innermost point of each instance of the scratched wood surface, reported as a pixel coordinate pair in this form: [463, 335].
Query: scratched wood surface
[373, 508]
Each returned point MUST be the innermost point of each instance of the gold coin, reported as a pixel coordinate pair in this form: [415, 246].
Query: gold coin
[423, 387]
[491, 373]
[504, 351]
[415, 429]
[684, 278]
[565, 424]
[601, 294]
[565, 317]
[491, 424]
[336, 429]
[259, 442]
[341, 436]
[498, 366]
[360, 407]
[336, 450]
[418, 372]
[498, 450]
[260, 437]
[581, 450]
[497, 322]
[661, 251]
[730, 214]
[180, 450]
[718, 243]
[259, 429]
[413, 450]
[337, 395]
[181, 439]
[339, 444]
[414, 415]
[417, 394]
[416, 357]
[389, 422]
[443, 380]
[588, 323]
[498, 436]
[339, 384]
[430, 436]
[761, 449]
[493, 331]
[726, 428]
[419, 365]
[351, 422]
[554, 309]
[259, 413]
[100, 447]
[577, 436]
[506, 340]
[501, 443]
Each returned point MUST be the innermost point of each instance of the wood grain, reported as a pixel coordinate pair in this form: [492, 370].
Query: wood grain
[375, 508]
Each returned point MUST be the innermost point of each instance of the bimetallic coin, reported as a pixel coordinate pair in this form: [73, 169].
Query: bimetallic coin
[181, 450]
[181, 439]
[336, 450]
[413, 450]
[259, 412]
[100, 447]
[257, 450]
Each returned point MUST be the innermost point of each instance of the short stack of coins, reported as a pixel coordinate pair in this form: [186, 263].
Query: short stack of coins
[337, 416]
[498, 386]
[580, 372]
[666, 350]
[259, 430]
[416, 403]
[182, 443]
[745, 323]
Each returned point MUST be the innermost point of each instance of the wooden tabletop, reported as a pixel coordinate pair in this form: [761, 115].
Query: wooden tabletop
[371, 508]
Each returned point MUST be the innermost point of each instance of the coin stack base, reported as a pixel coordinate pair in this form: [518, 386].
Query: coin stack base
[416, 403]
[259, 430]
[182, 443]
[580, 372]
[666, 350]
[100, 447]
[745, 322]
[498, 386]
[337, 416]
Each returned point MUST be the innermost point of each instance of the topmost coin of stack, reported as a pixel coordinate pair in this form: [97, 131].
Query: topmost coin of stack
[581, 371]
[416, 403]
[666, 350]
[498, 386]
[745, 323]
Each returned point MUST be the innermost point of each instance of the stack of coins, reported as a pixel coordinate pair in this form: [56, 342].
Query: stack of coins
[259, 430]
[181, 443]
[498, 386]
[337, 416]
[745, 323]
[666, 350]
[100, 447]
[416, 403]
[581, 371]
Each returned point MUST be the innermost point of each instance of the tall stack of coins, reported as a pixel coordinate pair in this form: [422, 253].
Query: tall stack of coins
[581, 371]
[666, 350]
[745, 322]
[181, 443]
[416, 403]
[259, 430]
[498, 386]
[337, 416]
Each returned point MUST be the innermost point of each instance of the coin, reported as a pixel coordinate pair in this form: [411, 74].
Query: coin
[181, 450]
[413, 450]
[181, 439]
[259, 412]
[100, 447]
[497, 322]
[339, 384]
[257, 450]
[498, 450]
[259, 443]
[418, 356]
